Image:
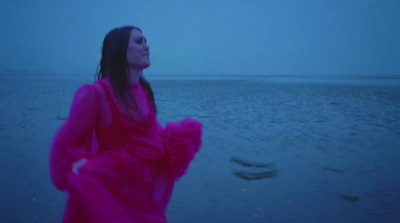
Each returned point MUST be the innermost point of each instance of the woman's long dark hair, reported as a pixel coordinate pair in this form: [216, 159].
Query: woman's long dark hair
[114, 65]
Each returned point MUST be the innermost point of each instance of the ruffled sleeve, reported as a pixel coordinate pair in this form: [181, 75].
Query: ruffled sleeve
[182, 140]
[72, 140]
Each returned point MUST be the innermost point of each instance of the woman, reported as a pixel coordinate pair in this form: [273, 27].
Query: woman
[115, 160]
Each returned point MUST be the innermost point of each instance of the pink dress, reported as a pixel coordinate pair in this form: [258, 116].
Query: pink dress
[131, 175]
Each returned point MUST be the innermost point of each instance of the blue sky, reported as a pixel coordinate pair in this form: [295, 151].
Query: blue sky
[236, 37]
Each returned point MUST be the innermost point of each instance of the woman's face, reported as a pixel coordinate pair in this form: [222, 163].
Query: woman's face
[137, 54]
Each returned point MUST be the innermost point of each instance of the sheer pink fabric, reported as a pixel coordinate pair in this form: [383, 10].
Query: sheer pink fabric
[130, 177]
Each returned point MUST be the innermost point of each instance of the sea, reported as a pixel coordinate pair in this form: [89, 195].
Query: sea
[332, 142]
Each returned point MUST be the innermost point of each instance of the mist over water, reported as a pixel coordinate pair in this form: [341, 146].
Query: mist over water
[310, 37]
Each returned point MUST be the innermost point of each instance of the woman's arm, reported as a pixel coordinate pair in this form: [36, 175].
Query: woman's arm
[71, 140]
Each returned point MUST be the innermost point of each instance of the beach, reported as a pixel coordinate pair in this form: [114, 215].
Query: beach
[335, 144]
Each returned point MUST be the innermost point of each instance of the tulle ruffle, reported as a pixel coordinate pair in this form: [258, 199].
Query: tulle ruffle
[182, 140]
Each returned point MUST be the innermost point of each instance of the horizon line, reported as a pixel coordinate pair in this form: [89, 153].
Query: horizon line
[57, 74]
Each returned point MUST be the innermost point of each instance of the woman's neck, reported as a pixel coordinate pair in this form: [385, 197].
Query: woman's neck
[134, 75]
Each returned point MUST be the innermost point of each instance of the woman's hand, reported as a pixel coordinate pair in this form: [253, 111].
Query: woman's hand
[78, 164]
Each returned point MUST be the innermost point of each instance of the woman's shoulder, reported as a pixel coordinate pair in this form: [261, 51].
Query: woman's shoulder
[84, 94]
[91, 90]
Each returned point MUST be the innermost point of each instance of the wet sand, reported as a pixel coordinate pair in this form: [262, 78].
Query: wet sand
[328, 139]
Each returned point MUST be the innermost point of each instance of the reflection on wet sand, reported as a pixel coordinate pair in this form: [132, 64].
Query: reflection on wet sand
[257, 171]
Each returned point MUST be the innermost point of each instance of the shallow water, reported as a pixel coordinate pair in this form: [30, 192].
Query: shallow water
[326, 137]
